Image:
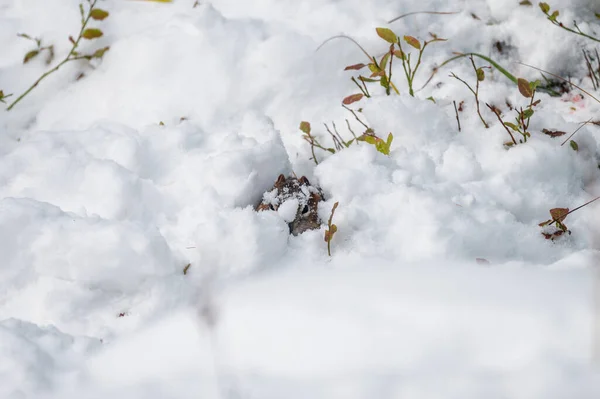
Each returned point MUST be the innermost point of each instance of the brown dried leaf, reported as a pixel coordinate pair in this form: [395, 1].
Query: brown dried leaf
[524, 88]
[553, 133]
[352, 98]
[559, 214]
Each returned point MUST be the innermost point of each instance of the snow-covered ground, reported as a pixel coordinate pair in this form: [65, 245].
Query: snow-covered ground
[440, 283]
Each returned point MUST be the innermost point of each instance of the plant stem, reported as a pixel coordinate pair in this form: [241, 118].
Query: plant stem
[67, 59]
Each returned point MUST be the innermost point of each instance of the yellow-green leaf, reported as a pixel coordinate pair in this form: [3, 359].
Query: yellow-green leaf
[387, 34]
[92, 33]
[545, 7]
[305, 127]
[574, 145]
[100, 52]
[413, 42]
[480, 74]
[98, 14]
[30, 55]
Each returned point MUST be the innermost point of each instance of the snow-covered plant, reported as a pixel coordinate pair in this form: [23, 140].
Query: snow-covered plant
[86, 32]
[39, 48]
[331, 229]
[553, 17]
[558, 216]
[339, 143]
[523, 118]
[479, 77]
[381, 71]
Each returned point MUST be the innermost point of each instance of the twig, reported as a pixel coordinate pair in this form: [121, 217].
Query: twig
[501, 122]
[457, 118]
[422, 12]
[573, 134]
[344, 37]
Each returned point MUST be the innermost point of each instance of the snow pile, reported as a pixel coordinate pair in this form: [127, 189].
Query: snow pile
[127, 196]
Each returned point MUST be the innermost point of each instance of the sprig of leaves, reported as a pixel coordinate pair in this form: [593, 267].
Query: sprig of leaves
[523, 118]
[87, 33]
[558, 216]
[39, 48]
[381, 70]
[553, 17]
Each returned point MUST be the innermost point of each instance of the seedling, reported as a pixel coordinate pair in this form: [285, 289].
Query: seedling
[39, 48]
[553, 17]
[3, 97]
[479, 77]
[523, 118]
[558, 216]
[340, 143]
[381, 70]
[86, 33]
[331, 229]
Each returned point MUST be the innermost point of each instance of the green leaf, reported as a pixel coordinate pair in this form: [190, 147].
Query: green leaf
[512, 126]
[30, 55]
[92, 33]
[305, 127]
[412, 41]
[374, 68]
[367, 79]
[528, 113]
[525, 3]
[390, 138]
[545, 8]
[480, 74]
[100, 52]
[554, 15]
[384, 81]
[524, 88]
[387, 34]
[98, 14]
[597, 14]
[384, 60]
[574, 145]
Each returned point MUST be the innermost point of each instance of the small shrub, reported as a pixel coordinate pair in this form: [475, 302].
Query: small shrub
[87, 33]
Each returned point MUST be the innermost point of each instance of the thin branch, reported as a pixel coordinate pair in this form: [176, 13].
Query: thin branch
[456, 112]
[344, 37]
[573, 134]
[422, 12]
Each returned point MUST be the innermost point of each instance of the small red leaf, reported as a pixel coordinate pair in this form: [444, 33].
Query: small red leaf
[352, 98]
[355, 67]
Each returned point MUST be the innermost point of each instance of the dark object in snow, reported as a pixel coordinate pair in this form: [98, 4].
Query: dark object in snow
[308, 197]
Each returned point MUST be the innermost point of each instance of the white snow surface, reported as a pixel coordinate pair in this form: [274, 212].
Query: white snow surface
[440, 283]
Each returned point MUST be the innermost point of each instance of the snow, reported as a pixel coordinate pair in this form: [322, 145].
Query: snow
[134, 265]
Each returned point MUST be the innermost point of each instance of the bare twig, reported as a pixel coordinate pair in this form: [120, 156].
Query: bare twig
[457, 118]
[573, 134]
[422, 12]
